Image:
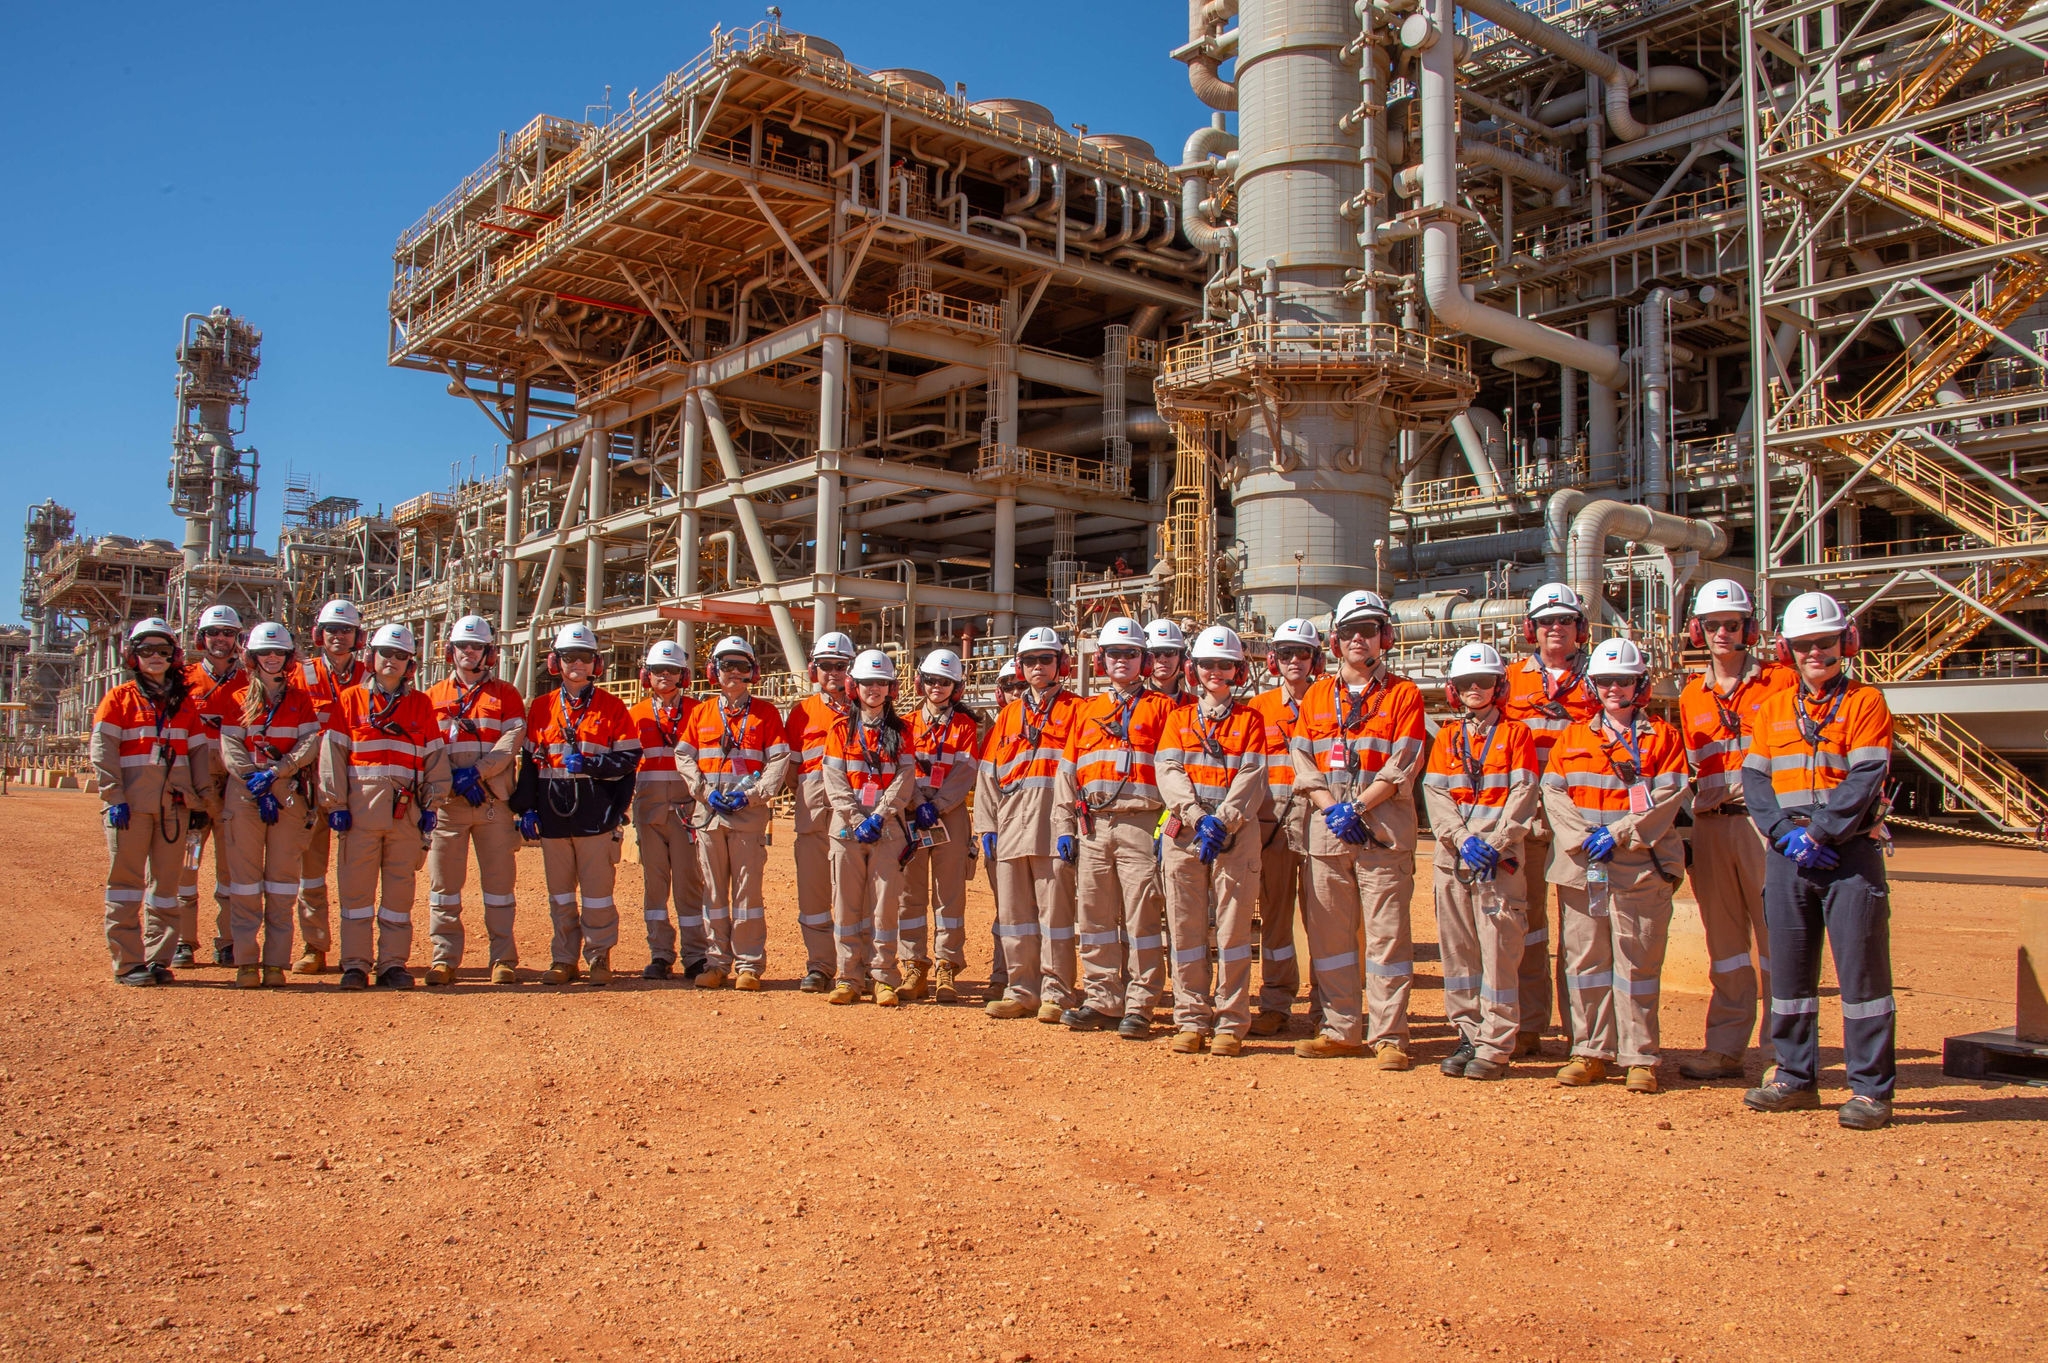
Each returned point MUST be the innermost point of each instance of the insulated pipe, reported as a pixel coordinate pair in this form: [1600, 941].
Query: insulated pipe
[1203, 77]
[1618, 79]
[1664, 80]
[1557, 529]
[1479, 456]
[1440, 254]
[1518, 362]
[1597, 522]
[732, 551]
[689, 524]
[1520, 167]
[750, 526]
[831, 428]
[1655, 491]
[1464, 552]
[1603, 414]
[1083, 434]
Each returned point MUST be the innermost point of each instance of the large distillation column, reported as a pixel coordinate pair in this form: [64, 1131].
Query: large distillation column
[213, 481]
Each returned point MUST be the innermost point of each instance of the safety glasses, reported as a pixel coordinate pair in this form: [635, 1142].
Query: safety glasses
[672, 673]
[397, 654]
[734, 665]
[1039, 660]
[1123, 655]
[577, 655]
[219, 632]
[833, 668]
[1721, 626]
[1615, 683]
[1293, 653]
[1818, 643]
[154, 651]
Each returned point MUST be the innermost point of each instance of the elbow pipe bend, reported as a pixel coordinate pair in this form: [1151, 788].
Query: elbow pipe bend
[1597, 522]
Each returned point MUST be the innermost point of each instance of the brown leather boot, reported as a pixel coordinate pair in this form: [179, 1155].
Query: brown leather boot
[311, 962]
[1327, 1048]
[561, 972]
[915, 982]
[943, 988]
[1583, 1070]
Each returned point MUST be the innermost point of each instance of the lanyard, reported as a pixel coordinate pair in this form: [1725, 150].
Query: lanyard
[668, 734]
[381, 713]
[213, 721]
[1634, 766]
[1120, 729]
[1034, 732]
[162, 713]
[1810, 731]
[877, 759]
[927, 759]
[263, 730]
[334, 687]
[573, 713]
[1730, 707]
[1212, 745]
[727, 739]
[1475, 769]
[1553, 700]
[1352, 719]
[464, 703]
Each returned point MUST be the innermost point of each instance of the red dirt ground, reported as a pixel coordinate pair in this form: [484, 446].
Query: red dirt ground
[649, 1172]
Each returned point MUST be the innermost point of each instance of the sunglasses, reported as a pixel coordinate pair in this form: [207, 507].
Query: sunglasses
[1039, 660]
[577, 655]
[1123, 655]
[1608, 683]
[835, 667]
[1161, 654]
[1294, 654]
[219, 632]
[1818, 643]
[154, 651]
[673, 673]
[466, 646]
[1722, 626]
[734, 665]
[398, 653]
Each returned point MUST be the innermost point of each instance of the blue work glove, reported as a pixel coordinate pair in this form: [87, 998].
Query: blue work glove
[926, 815]
[117, 817]
[340, 820]
[988, 846]
[1479, 855]
[267, 807]
[429, 820]
[1210, 835]
[529, 825]
[572, 762]
[1344, 824]
[728, 801]
[469, 785]
[1063, 848]
[1599, 844]
[1801, 848]
[868, 829]
[259, 783]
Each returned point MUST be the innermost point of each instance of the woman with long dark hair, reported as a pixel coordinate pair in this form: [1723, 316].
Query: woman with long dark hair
[267, 819]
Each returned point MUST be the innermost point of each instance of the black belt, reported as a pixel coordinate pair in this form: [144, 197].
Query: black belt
[1730, 810]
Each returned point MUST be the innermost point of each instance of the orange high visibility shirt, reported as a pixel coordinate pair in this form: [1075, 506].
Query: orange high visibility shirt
[1213, 751]
[597, 726]
[809, 724]
[474, 718]
[1027, 740]
[1850, 727]
[732, 750]
[1717, 726]
[143, 733]
[1595, 765]
[216, 702]
[1549, 707]
[662, 728]
[938, 749]
[389, 738]
[1282, 715]
[1112, 749]
[280, 728]
[1351, 736]
[1479, 767]
[325, 685]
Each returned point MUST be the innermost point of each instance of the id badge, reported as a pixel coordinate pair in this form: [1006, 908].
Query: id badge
[870, 792]
[936, 835]
[1639, 797]
[1123, 761]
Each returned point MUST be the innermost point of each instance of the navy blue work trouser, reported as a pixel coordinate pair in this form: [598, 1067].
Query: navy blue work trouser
[1850, 907]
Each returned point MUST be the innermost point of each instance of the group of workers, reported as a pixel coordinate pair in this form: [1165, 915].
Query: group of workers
[1162, 831]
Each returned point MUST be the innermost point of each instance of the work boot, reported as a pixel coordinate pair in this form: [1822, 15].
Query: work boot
[916, 979]
[440, 972]
[352, 978]
[162, 974]
[712, 978]
[747, 981]
[1136, 1026]
[273, 976]
[601, 969]
[1327, 1048]
[139, 977]
[1712, 1065]
[885, 995]
[1453, 1065]
[504, 972]
[1642, 1079]
[1581, 1071]
[943, 988]
[560, 972]
[248, 977]
[844, 992]
[657, 969]
[183, 955]
[1389, 1056]
[1478, 1067]
[1528, 1046]
[1226, 1044]
[397, 977]
[311, 962]
[1006, 1009]
[1050, 1013]
[1086, 1019]
[1270, 1022]
[814, 982]
[1186, 1043]
[224, 955]
[1779, 1098]
[1865, 1114]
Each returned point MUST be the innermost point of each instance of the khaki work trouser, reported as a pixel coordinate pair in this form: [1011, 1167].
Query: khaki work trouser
[814, 899]
[375, 877]
[142, 891]
[867, 891]
[314, 925]
[1538, 983]
[493, 829]
[935, 886]
[1119, 907]
[670, 868]
[1280, 890]
[263, 880]
[585, 868]
[1480, 929]
[1035, 929]
[1614, 971]
[1728, 863]
[1368, 888]
[1223, 893]
[733, 851]
[188, 887]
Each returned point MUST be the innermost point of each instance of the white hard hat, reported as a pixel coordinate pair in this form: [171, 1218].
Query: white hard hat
[1120, 631]
[394, 636]
[1812, 614]
[1360, 605]
[942, 662]
[154, 627]
[835, 645]
[1165, 634]
[874, 665]
[667, 653]
[340, 612]
[1618, 658]
[578, 635]
[1040, 639]
[1554, 598]
[1008, 671]
[1297, 631]
[270, 637]
[1477, 660]
[732, 643]
[1218, 641]
[1722, 595]
[220, 617]
[470, 629]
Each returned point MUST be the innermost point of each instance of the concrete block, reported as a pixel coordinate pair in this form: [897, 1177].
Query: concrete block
[2031, 1020]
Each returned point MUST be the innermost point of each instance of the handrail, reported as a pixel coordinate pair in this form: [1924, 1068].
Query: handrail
[931, 305]
[1312, 341]
[1045, 469]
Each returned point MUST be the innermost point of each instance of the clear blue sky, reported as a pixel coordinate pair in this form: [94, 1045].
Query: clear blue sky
[167, 158]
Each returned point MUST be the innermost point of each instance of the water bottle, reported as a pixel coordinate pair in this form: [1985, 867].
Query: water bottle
[1596, 888]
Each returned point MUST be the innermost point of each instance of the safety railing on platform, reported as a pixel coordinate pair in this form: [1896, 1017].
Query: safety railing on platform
[1042, 468]
[1336, 343]
[945, 310]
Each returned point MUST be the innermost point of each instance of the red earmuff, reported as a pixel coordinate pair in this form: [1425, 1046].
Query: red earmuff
[1852, 644]
[1696, 634]
[131, 660]
[1585, 631]
[554, 663]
